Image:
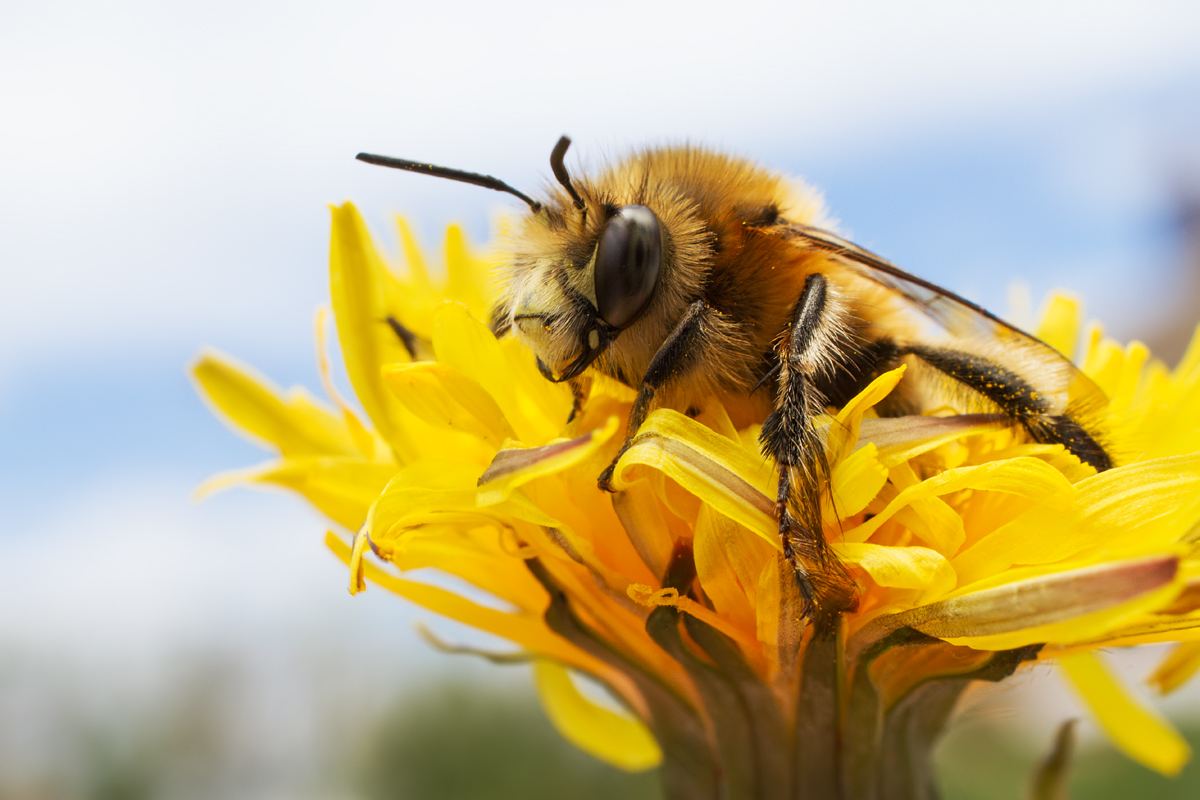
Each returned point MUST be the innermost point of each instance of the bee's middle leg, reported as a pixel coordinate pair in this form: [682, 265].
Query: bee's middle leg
[808, 351]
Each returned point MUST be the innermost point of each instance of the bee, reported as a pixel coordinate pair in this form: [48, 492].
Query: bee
[683, 273]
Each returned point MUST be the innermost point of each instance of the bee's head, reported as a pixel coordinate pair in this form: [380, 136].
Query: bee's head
[581, 271]
[600, 273]
[572, 298]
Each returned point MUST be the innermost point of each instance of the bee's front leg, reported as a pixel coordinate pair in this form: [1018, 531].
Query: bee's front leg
[809, 350]
[682, 351]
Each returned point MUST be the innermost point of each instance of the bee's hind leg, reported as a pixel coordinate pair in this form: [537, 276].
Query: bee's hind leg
[1016, 398]
[683, 350]
[809, 350]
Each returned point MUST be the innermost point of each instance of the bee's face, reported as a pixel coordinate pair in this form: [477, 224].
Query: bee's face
[568, 304]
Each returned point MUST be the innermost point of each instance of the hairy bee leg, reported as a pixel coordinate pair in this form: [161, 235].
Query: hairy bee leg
[788, 436]
[680, 353]
[1017, 398]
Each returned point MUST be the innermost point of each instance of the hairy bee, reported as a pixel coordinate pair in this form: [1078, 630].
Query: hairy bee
[682, 272]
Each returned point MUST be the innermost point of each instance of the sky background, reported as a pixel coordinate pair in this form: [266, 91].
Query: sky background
[165, 173]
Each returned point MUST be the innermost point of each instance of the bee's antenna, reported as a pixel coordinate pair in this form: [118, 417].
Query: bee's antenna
[560, 171]
[486, 181]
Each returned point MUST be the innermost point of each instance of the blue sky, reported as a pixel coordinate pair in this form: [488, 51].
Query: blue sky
[167, 171]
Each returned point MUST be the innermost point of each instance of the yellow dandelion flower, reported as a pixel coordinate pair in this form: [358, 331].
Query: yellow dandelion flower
[973, 551]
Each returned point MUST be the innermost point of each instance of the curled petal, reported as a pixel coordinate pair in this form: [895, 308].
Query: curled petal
[714, 469]
[516, 466]
[843, 433]
[1067, 606]
[358, 582]
[645, 596]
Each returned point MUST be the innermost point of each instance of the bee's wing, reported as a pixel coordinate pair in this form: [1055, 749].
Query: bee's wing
[968, 326]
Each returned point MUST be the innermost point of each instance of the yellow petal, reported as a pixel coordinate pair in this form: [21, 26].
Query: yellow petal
[652, 530]
[706, 464]
[930, 519]
[526, 630]
[466, 275]
[412, 300]
[843, 433]
[516, 466]
[543, 399]
[363, 439]
[729, 561]
[423, 489]
[296, 423]
[1151, 503]
[902, 567]
[1066, 606]
[1122, 397]
[465, 343]
[1177, 668]
[357, 276]
[358, 581]
[1104, 364]
[1137, 731]
[1026, 477]
[620, 740]
[418, 273]
[446, 398]
[899, 439]
[343, 489]
[478, 557]
[856, 480]
[1060, 324]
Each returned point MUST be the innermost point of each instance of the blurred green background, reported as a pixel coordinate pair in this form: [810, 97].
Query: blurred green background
[462, 741]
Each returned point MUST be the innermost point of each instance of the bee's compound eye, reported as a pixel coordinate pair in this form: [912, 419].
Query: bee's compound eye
[627, 261]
